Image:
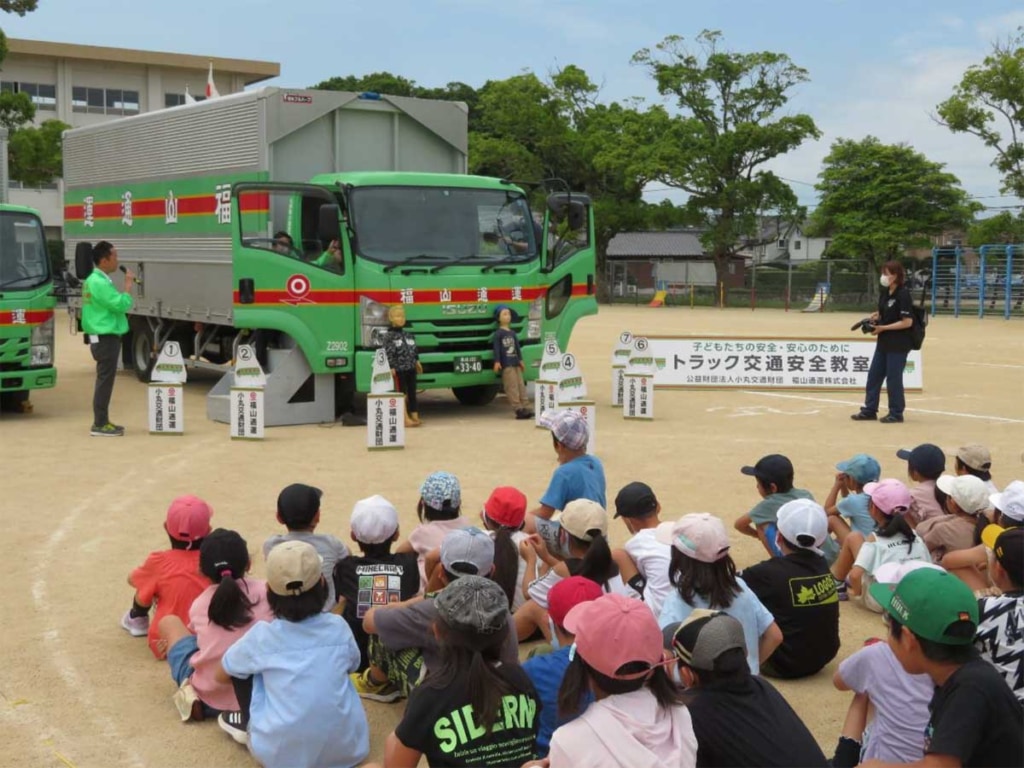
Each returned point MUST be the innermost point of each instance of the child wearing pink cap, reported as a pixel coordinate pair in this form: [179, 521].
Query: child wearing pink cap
[704, 576]
[638, 717]
[894, 542]
[171, 578]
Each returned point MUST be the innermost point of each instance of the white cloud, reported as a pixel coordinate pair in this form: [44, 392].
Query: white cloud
[999, 27]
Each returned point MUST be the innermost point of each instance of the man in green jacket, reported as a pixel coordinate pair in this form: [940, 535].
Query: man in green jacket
[105, 321]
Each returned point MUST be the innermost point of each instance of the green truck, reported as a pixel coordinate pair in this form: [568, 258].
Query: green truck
[292, 220]
[26, 308]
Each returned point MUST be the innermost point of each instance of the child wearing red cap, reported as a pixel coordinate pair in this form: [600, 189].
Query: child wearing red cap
[503, 517]
[171, 578]
[638, 717]
[547, 670]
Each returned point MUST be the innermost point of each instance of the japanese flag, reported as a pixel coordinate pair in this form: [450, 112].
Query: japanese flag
[211, 88]
[189, 98]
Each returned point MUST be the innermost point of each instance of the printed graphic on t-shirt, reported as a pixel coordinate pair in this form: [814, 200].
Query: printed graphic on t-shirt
[379, 584]
[459, 736]
[808, 591]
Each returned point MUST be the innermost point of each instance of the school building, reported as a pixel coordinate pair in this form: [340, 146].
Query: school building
[87, 84]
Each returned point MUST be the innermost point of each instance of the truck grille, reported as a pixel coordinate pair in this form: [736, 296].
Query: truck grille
[470, 334]
[12, 351]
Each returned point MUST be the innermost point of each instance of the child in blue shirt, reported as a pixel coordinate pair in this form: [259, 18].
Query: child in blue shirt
[847, 498]
[292, 674]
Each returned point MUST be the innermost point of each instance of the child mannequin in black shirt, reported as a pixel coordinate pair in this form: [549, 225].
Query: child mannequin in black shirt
[508, 361]
[400, 347]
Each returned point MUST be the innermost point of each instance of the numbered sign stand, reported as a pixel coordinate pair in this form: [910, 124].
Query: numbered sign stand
[166, 394]
[588, 410]
[545, 391]
[620, 359]
[385, 408]
[638, 402]
[571, 385]
[246, 414]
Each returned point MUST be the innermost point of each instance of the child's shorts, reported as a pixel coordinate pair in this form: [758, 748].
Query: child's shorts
[179, 658]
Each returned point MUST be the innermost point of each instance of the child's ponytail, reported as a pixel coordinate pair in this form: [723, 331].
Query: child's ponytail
[897, 525]
[224, 559]
[506, 563]
[597, 564]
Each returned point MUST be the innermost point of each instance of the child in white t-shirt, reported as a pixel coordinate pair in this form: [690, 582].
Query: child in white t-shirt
[643, 562]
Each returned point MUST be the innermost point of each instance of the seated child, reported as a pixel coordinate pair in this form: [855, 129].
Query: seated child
[440, 512]
[977, 461]
[643, 563]
[974, 717]
[298, 510]
[971, 565]
[547, 670]
[472, 708]
[170, 577]
[895, 541]
[302, 709]
[899, 701]
[225, 611]
[853, 474]
[774, 477]
[967, 499]
[704, 576]
[999, 636]
[503, 517]
[376, 576]
[925, 464]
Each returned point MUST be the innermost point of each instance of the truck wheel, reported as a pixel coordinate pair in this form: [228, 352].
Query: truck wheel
[481, 394]
[16, 402]
[142, 351]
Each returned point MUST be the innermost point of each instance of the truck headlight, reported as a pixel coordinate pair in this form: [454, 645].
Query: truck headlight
[533, 318]
[41, 341]
[373, 320]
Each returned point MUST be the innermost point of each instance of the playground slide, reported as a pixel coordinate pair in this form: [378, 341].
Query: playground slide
[818, 301]
[658, 300]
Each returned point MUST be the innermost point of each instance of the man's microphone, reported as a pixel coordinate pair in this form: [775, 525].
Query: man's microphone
[124, 269]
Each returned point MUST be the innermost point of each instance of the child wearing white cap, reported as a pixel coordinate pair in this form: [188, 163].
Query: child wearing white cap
[971, 565]
[700, 559]
[377, 576]
[967, 499]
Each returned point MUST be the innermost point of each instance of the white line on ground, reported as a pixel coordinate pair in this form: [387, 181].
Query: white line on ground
[857, 403]
[995, 365]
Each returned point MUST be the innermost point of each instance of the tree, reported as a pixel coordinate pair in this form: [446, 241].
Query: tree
[879, 199]
[728, 126]
[1003, 228]
[35, 153]
[990, 99]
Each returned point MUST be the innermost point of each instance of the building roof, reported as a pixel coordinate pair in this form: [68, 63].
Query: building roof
[677, 243]
[253, 71]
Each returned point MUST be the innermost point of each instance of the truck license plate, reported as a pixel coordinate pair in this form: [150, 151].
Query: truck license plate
[468, 364]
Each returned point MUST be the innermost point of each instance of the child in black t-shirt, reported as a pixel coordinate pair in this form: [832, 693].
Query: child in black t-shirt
[377, 576]
[975, 718]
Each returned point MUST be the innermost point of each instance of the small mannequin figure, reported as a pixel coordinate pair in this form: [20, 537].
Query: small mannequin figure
[400, 347]
[508, 361]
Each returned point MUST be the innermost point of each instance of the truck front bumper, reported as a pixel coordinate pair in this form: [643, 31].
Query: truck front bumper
[27, 378]
[439, 373]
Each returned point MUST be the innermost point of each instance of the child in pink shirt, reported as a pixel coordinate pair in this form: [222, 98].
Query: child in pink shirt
[224, 612]
[170, 577]
[440, 512]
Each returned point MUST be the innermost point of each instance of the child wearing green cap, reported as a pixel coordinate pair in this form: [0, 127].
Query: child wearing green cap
[975, 718]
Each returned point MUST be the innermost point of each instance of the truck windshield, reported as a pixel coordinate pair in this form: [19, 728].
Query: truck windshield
[435, 225]
[24, 260]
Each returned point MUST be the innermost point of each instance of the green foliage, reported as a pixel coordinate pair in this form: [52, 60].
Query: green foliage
[35, 153]
[20, 7]
[727, 127]
[16, 109]
[880, 199]
[989, 100]
[1002, 228]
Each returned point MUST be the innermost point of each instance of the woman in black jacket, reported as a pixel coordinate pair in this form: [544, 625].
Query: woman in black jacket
[892, 323]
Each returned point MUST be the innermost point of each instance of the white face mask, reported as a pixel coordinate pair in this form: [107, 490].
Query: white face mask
[885, 280]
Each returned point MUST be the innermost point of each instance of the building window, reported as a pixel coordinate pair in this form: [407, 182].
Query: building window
[104, 101]
[42, 95]
[177, 99]
[796, 245]
[782, 244]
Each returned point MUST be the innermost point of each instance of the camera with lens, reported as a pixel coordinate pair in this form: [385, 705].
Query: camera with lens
[866, 326]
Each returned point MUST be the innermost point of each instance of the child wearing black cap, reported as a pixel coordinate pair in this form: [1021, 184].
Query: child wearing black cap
[925, 464]
[975, 718]
[643, 563]
[774, 476]
[298, 510]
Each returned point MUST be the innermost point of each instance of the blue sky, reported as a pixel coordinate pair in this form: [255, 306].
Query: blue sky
[876, 67]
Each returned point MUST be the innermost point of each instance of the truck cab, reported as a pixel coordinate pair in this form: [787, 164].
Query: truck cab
[26, 308]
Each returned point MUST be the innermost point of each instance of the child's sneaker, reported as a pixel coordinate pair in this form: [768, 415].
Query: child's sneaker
[187, 702]
[841, 589]
[234, 725]
[136, 627]
[386, 692]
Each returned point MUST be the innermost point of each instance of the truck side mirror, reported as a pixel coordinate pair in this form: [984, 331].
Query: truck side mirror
[246, 291]
[328, 228]
[83, 260]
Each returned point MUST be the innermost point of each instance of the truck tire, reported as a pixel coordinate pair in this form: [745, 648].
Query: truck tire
[478, 395]
[15, 402]
[142, 351]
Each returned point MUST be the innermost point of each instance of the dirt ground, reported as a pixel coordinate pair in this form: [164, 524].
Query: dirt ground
[79, 514]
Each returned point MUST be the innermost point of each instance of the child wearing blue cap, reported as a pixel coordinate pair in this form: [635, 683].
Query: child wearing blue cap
[847, 498]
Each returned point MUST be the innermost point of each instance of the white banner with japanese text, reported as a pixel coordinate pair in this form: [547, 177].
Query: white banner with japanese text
[694, 362]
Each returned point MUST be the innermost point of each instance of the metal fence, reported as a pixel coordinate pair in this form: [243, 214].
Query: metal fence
[978, 282]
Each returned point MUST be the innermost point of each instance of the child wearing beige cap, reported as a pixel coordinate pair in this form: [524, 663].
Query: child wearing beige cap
[976, 460]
